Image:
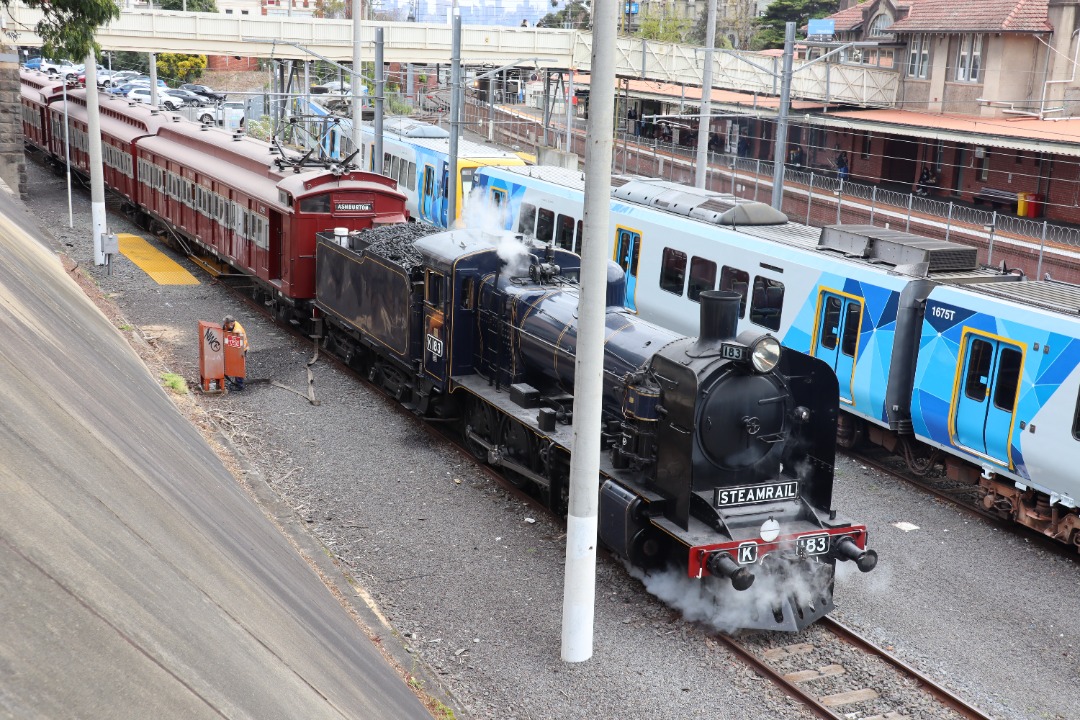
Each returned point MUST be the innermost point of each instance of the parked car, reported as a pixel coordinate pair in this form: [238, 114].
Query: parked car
[122, 76]
[188, 97]
[33, 64]
[142, 95]
[228, 114]
[64, 68]
[104, 77]
[206, 92]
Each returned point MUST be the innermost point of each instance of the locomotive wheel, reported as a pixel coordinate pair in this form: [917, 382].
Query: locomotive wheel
[479, 419]
[517, 444]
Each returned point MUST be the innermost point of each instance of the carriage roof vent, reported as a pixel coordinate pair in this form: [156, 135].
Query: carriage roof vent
[909, 253]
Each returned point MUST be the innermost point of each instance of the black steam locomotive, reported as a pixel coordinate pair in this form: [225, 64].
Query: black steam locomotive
[720, 448]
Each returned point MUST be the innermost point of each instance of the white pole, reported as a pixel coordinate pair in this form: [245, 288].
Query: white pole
[67, 155]
[579, 591]
[153, 81]
[569, 110]
[380, 89]
[455, 118]
[357, 104]
[705, 116]
[97, 173]
[780, 149]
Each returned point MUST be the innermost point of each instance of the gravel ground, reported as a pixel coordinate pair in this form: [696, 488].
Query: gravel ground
[472, 579]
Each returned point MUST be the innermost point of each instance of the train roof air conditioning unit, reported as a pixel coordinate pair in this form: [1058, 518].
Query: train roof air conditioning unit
[906, 252]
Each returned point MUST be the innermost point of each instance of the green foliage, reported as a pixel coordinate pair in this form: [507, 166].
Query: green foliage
[67, 27]
[736, 27]
[800, 12]
[175, 68]
[139, 62]
[192, 5]
[576, 14]
[174, 382]
[661, 25]
[336, 9]
[263, 128]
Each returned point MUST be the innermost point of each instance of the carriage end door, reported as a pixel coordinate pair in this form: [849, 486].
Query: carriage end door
[435, 336]
[984, 403]
[427, 194]
[839, 322]
[627, 251]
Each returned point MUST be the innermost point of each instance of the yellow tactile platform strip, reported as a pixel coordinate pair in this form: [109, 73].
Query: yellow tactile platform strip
[160, 267]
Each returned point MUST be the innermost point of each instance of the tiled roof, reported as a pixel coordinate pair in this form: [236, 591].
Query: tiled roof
[950, 16]
[849, 19]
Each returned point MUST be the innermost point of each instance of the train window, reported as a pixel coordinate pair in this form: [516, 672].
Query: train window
[527, 221]
[445, 184]
[702, 277]
[315, 204]
[851, 329]
[1007, 380]
[673, 271]
[434, 289]
[978, 370]
[736, 280]
[832, 322]
[766, 302]
[467, 288]
[1076, 419]
[468, 177]
[429, 182]
[564, 232]
[577, 243]
[545, 223]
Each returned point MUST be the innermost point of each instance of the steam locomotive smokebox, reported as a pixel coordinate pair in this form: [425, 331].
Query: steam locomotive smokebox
[545, 419]
[524, 395]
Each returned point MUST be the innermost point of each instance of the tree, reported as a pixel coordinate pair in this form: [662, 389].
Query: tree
[67, 27]
[575, 14]
[332, 9]
[736, 26]
[192, 5]
[180, 68]
[800, 12]
[139, 62]
[661, 25]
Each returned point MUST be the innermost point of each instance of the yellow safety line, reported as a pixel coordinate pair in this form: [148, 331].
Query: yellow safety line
[160, 267]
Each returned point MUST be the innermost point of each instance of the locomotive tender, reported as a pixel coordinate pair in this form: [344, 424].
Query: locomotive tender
[939, 359]
[720, 448]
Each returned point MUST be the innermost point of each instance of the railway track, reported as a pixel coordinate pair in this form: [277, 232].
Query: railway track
[838, 675]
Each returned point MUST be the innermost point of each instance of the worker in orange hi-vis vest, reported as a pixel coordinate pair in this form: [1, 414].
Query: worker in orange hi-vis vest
[236, 344]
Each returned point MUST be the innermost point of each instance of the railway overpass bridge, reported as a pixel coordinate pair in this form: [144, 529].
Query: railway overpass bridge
[268, 37]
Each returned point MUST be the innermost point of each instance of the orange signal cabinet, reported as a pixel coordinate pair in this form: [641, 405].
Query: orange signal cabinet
[235, 358]
[211, 357]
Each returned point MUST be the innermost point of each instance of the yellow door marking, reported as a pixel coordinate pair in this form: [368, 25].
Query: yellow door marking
[159, 266]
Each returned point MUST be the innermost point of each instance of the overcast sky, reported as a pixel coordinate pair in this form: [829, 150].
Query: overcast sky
[478, 12]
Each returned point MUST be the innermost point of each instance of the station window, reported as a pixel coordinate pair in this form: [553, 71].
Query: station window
[564, 232]
[1007, 381]
[766, 302]
[527, 221]
[702, 277]
[735, 280]
[673, 271]
[978, 370]
[545, 224]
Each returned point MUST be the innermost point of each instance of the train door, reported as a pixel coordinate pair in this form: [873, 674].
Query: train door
[274, 261]
[443, 198]
[627, 253]
[427, 194]
[984, 400]
[435, 345]
[839, 321]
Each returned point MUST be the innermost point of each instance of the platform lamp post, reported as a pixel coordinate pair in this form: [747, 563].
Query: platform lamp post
[780, 148]
[97, 173]
[579, 590]
[705, 118]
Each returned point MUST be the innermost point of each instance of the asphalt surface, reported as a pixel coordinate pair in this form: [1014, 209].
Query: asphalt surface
[139, 579]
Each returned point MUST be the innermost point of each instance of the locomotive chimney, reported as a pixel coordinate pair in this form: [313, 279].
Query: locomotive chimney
[719, 316]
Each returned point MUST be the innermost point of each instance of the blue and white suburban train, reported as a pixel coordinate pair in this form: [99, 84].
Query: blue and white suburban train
[938, 358]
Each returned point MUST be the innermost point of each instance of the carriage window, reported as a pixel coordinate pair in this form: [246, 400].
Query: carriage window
[412, 176]
[528, 219]
[766, 302]
[577, 243]
[544, 225]
[445, 184]
[1076, 419]
[429, 181]
[1007, 380]
[434, 289]
[315, 204]
[851, 329]
[978, 370]
[564, 232]
[702, 277]
[673, 271]
[735, 280]
[468, 176]
[832, 322]
[467, 293]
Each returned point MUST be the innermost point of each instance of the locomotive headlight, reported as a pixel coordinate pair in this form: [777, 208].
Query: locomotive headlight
[765, 353]
[770, 530]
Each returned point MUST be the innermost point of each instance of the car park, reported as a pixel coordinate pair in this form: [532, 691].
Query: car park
[188, 97]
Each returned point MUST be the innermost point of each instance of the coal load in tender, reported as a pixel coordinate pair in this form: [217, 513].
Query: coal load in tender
[395, 242]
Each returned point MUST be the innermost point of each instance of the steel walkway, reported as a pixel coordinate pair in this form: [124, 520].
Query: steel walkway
[257, 36]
